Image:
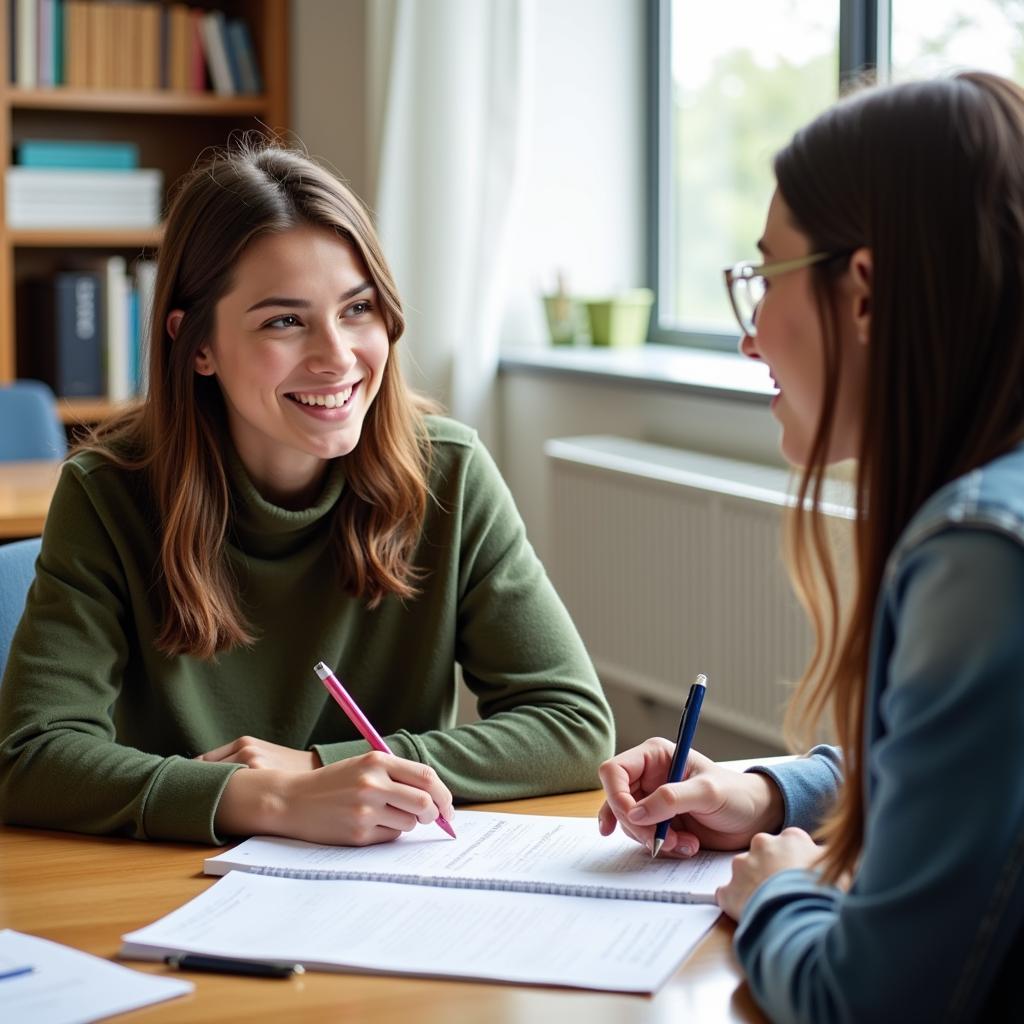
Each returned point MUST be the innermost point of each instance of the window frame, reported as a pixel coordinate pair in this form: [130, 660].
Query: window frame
[863, 49]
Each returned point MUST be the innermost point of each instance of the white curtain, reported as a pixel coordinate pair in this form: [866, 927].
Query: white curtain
[448, 105]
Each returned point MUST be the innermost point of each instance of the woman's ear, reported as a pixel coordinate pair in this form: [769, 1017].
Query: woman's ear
[204, 360]
[173, 322]
[860, 292]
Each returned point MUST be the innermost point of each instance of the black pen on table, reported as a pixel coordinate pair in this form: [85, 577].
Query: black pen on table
[228, 965]
[687, 727]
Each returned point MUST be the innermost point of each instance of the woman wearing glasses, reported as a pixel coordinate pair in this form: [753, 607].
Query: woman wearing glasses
[890, 311]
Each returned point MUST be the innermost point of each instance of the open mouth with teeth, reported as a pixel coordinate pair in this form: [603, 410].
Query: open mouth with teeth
[333, 400]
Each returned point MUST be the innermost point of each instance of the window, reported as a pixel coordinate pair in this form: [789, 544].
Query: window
[932, 36]
[732, 82]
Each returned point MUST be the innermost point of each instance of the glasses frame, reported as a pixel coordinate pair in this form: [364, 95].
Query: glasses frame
[747, 270]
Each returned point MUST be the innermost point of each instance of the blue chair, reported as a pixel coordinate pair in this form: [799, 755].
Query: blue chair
[29, 425]
[17, 570]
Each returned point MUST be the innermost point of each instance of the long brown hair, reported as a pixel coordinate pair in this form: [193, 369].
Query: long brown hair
[929, 177]
[178, 434]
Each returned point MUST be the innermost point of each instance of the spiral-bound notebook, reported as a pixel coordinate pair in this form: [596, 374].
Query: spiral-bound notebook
[522, 937]
[516, 852]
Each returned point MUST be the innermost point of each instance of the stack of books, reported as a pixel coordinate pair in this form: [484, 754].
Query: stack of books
[141, 45]
[85, 330]
[57, 184]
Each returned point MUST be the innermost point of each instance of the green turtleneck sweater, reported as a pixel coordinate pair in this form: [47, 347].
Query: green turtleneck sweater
[98, 729]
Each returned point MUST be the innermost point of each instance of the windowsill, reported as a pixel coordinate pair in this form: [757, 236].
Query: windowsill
[695, 371]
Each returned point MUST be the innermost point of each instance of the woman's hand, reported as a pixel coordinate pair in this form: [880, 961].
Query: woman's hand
[711, 807]
[768, 855]
[371, 798]
[254, 753]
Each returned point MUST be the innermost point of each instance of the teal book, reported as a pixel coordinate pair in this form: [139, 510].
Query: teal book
[134, 339]
[105, 156]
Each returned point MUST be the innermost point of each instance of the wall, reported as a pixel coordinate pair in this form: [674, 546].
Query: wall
[328, 86]
[535, 407]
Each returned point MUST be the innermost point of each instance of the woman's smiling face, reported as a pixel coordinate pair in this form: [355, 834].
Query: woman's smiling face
[299, 350]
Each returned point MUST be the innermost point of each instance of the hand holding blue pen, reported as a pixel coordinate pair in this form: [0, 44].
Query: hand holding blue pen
[687, 727]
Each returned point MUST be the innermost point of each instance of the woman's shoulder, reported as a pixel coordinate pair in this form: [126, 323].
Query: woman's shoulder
[442, 431]
[106, 480]
[460, 464]
[110, 463]
[990, 497]
[452, 445]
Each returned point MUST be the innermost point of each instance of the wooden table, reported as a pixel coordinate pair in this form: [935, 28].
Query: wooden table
[87, 892]
[25, 492]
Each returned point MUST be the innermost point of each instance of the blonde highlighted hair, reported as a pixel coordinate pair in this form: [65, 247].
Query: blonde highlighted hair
[178, 434]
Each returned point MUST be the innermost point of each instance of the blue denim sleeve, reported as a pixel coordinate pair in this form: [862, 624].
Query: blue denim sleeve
[808, 785]
[938, 897]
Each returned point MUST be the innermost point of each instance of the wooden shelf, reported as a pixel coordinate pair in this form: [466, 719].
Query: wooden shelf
[84, 238]
[87, 410]
[134, 101]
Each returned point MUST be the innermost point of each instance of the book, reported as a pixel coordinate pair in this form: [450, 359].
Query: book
[148, 19]
[145, 287]
[519, 852]
[231, 55]
[12, 43]
[180, 47]
[120, 383]
[67, 333]
[215, 48]
[97, 62]
[76, 43]
[132, 320]
[26, 25]
[110, 156]
[44, 44]
[40, 197]
[121, 36]
[386, 927]
[58, 42]
[241, 43]
[197, 76]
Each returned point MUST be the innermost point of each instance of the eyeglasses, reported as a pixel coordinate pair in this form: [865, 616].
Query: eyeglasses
[747, 282]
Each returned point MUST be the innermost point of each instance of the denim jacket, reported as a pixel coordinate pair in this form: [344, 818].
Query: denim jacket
[932, 928]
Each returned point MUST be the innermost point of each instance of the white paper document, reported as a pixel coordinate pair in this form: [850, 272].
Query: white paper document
[385, 927]
[525, 852]
[67, 986]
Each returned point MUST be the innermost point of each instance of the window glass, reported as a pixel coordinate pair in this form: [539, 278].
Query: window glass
[743, 78]
[930, 37]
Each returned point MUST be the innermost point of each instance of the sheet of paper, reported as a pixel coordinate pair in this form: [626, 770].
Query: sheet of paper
[68, 986]
[522, 848]
[584, 942]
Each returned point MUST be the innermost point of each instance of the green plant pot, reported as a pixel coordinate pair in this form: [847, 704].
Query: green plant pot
[621, 321]
[566, 320]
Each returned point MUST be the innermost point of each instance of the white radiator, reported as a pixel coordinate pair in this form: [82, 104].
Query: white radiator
[670, 564]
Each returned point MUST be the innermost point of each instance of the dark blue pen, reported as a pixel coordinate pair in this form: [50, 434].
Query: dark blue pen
[687, 727]
[15, 972]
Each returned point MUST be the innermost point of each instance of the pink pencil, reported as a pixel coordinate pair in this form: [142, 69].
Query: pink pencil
[361, 722]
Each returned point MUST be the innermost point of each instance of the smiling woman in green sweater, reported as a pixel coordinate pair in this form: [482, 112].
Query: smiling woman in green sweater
[280, 498]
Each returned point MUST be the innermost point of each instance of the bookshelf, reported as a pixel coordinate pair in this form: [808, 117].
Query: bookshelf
[171, 128]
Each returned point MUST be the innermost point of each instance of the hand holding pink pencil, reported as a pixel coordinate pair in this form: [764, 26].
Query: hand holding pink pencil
[362, 723]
